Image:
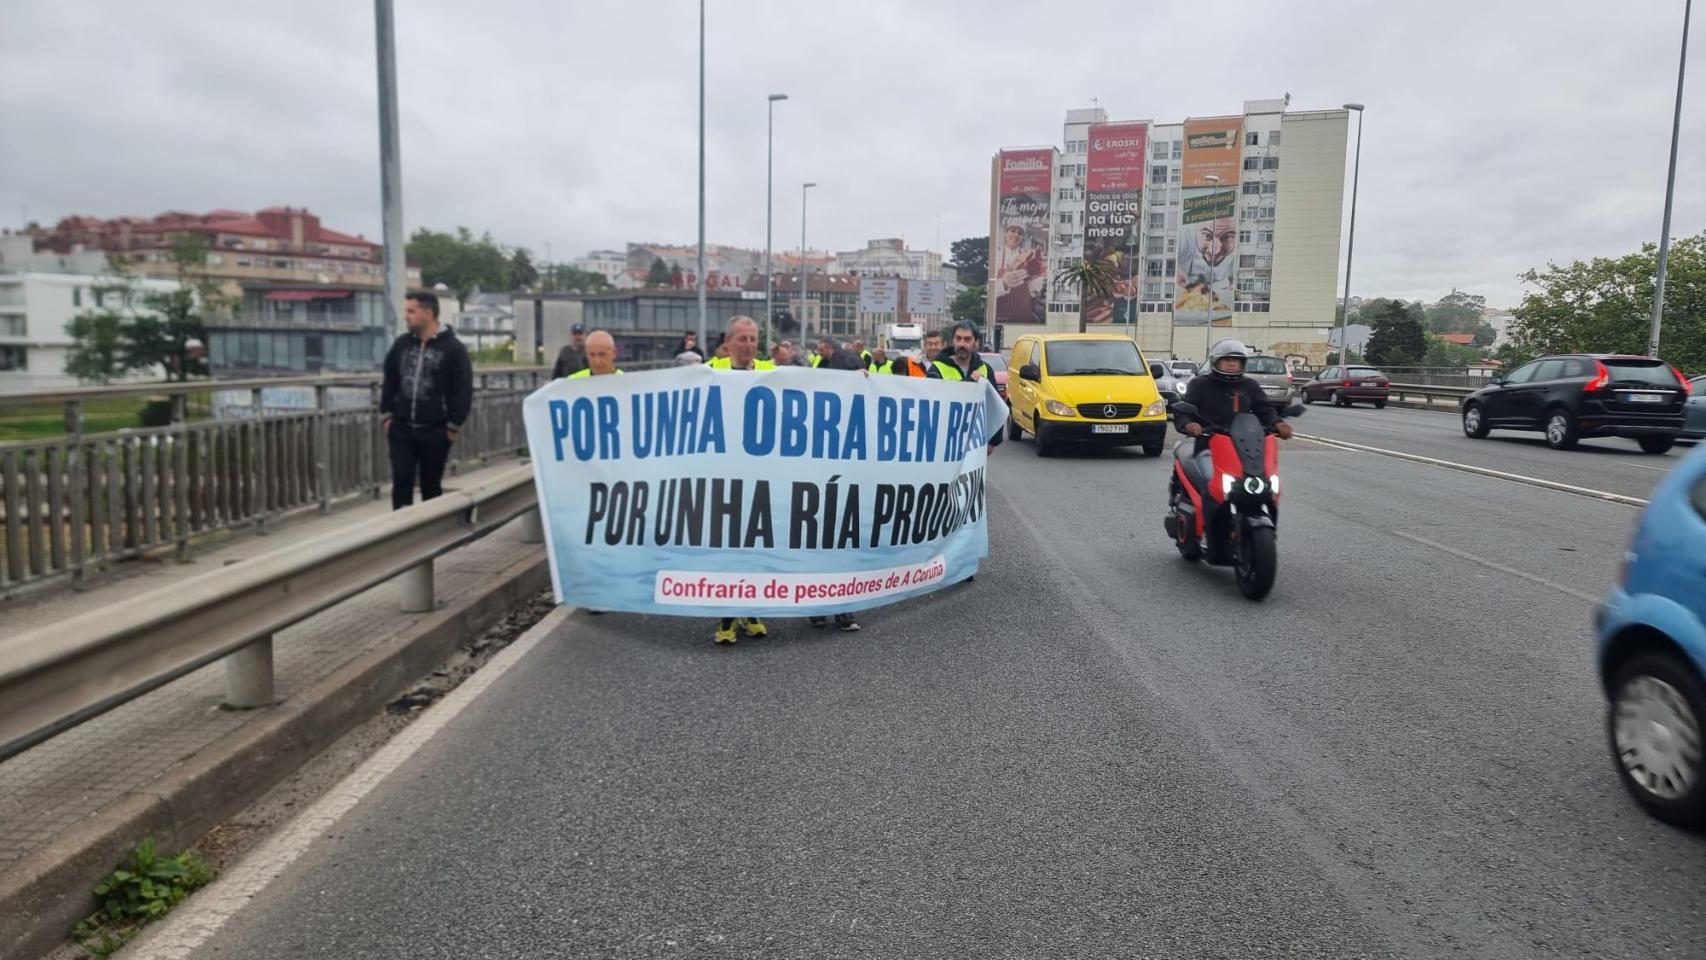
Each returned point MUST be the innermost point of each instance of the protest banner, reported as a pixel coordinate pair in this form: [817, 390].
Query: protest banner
[701, 492]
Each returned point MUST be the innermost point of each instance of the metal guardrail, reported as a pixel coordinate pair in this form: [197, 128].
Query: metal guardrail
[76, 501]
[1428, 391]
[58, 676]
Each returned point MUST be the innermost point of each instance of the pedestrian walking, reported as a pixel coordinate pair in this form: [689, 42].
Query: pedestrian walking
[428, 391]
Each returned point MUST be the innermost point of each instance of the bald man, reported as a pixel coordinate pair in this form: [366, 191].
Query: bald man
[600, 356]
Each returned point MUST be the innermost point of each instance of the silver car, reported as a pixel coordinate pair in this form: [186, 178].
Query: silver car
[1272, 374]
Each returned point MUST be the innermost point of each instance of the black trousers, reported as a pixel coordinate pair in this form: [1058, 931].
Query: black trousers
[416, 449]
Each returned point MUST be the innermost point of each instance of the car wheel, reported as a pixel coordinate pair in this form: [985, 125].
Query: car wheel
[1014, 431]
[1155, 447]
[1339, 400]
[1380, 404]
[1658, 444]
[1307, 399]
[1040, 431]
[1653, 725]
[1474, 422]
[1561, 433]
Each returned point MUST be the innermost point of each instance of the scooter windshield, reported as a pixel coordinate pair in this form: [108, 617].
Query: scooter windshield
[1250, 437]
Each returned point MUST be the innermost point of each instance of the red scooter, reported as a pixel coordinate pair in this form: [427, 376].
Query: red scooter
[1230, 516]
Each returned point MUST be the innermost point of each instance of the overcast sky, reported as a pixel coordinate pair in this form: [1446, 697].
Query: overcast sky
[1499, 136]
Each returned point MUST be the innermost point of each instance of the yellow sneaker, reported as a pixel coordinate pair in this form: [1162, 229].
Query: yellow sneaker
[725, 632]
[754, 627]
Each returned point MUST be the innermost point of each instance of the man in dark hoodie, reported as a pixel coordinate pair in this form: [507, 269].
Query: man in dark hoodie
[429, 387]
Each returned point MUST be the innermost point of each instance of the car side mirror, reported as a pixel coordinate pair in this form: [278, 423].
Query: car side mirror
[1157, 370]
[1295, 410]
[1030, 372]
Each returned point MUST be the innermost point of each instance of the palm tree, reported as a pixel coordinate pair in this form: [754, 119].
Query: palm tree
[1094, 279]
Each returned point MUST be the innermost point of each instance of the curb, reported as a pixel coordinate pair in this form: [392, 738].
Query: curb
[47, 891]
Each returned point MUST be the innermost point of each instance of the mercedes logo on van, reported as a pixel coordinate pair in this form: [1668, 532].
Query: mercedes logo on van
[1110, 411]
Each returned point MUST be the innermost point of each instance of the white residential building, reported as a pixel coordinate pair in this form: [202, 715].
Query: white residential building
[612, 265]
[1290, 219]
[889, 258]
[39, 295]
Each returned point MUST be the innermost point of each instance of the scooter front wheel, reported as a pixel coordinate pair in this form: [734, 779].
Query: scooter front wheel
[1258, 561]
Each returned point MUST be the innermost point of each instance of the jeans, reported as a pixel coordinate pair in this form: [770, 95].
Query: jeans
[422, 449]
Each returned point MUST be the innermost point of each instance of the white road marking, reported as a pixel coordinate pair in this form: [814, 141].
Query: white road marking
[1494, 565]
[188, 927]
[1480, 471]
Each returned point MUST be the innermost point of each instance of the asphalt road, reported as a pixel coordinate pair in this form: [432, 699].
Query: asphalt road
[1092, 750]
[1612, 465]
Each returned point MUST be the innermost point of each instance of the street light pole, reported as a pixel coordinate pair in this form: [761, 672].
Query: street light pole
[1350, 243]
[1670, 189]
[701, 276]
[390, 167]
[803, 190]
[769, 198]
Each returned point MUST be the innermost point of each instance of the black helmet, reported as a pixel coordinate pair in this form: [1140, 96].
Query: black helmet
[1220, 351]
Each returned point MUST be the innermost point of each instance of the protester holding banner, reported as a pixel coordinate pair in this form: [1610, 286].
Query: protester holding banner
[739, 352]
[699, 493]
[963, 362]
[600, 356]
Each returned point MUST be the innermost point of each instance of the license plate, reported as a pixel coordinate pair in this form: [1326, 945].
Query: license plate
[1371, 383]
[1110, 428]
[1646, 398]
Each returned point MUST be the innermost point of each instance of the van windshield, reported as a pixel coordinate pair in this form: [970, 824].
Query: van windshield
[1089, 358]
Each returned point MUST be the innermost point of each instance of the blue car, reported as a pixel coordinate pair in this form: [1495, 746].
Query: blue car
[1652, 651]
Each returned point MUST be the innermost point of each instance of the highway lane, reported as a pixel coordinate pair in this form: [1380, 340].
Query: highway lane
[1613, 465]
[1092, 750]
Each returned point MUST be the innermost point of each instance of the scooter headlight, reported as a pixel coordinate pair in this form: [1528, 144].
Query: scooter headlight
[1226, 483]
[1254, 486]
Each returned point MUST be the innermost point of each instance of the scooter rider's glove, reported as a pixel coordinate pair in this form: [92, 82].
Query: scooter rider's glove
[1283, 429]
[1193, 429]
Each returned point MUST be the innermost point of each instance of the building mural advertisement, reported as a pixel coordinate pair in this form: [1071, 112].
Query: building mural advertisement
[1019, 236]
[1208, 222]
[1113, 215]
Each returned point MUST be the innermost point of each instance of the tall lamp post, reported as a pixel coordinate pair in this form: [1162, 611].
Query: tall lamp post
[1350, 243]
[803, 189]
[701, 278]
[390, 168]
[1670, 188]
[769, 196]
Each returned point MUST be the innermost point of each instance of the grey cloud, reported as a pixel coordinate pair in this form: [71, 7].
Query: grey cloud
[1499, 136]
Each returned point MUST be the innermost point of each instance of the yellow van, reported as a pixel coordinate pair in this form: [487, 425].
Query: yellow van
[1090, 387]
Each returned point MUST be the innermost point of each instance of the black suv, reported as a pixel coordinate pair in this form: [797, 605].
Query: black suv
[1583, 395]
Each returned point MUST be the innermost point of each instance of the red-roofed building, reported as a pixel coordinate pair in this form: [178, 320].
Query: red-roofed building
[311, 298]
[1461, 339]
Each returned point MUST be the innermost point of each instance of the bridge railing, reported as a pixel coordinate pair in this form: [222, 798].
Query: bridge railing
[73, 502]
[57, 676]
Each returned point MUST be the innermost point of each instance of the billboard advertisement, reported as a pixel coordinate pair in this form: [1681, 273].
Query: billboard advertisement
[1019, 235]
[1208, 223]
[1212, 150]
[1207, 256]
[926, 296]
[1113, 216]
[879, 294]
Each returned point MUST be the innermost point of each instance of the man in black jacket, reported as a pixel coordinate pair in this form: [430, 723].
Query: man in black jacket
[572, 358]
[429, 388]
[1219, 395]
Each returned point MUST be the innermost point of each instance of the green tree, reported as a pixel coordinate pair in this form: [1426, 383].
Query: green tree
[99, 346]
[969, 305]
[1444, 353]
[659, 275]
[1456, 312]
[970, 259]
[522, 273]
[1093, 278]
[168, 335]
[460, 261]
[576, 280]
[1398, 339]
[1605, 305]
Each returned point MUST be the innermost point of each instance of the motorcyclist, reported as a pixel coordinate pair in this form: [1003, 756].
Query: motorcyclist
[1221, 394]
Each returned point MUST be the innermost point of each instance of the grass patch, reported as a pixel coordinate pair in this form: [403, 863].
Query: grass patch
[140, 891]
[44, 421]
